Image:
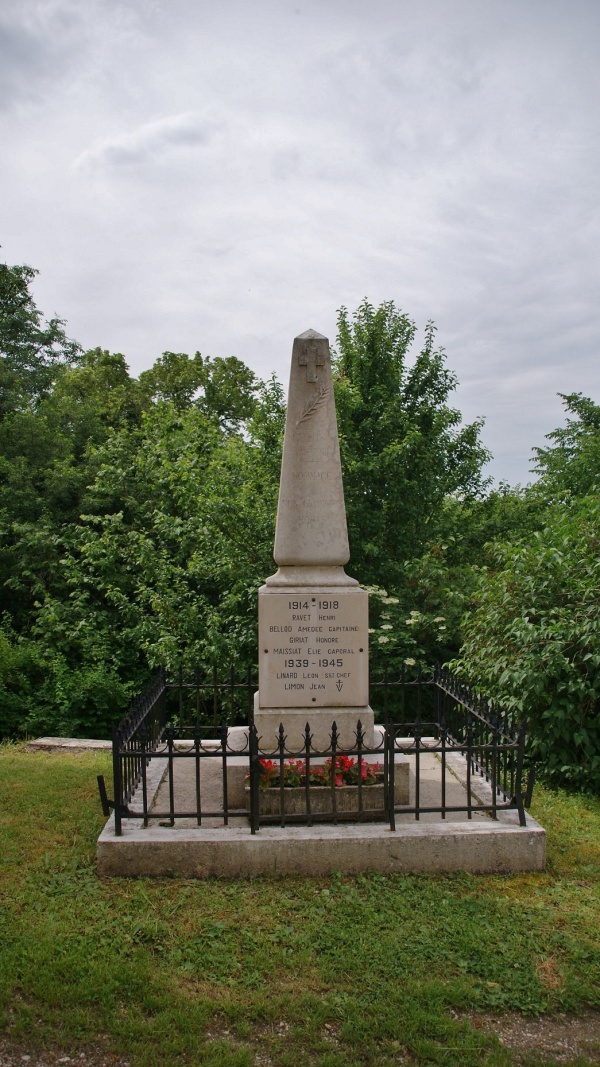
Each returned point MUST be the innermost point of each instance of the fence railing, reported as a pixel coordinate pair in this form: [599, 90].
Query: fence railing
[428, 721]
[310, 785]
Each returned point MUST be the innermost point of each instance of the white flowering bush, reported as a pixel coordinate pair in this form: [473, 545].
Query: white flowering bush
[399, 639]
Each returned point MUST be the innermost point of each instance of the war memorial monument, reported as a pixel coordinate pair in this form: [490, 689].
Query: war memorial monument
[313, 659]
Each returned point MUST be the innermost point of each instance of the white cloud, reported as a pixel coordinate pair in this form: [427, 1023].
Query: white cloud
[150, 141]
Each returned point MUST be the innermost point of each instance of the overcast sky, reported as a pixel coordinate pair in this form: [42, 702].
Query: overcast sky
[222, 175]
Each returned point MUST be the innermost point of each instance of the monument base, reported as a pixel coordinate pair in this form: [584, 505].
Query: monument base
[317, 577]
[480, 846]
[321, 720]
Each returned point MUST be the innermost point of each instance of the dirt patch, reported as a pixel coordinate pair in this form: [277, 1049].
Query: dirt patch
[549, 974]
[558, 1037]
[17, 1054]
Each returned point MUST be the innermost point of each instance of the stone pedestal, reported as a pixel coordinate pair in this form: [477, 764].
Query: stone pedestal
[313, 664]
[294, 721]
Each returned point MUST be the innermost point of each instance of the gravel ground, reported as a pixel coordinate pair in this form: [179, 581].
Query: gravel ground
[14, 1054]
[560, 1037]
[557, 1037]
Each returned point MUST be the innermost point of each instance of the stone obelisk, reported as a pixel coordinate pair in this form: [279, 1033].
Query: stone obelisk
[313, 618]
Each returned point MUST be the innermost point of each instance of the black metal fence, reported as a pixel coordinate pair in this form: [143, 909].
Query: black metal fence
[422, 716]
[320, 772]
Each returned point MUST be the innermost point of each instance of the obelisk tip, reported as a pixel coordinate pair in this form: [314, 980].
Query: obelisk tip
[310, 335]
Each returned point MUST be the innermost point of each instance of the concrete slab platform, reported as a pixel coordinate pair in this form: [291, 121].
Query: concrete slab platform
[233, 852]
[68, 744]
[213, 850]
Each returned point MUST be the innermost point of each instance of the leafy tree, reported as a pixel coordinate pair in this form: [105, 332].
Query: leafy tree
[571, 464]
[118, 546]
[222, 388]
[22, 672]
[92, 399]
[46, 462]
[533, 640]
[33, 356]
[164, 567]
[32, 351]
[229, 389]
[137, 518]
[403, 448]
[410, 469]
[175, 378]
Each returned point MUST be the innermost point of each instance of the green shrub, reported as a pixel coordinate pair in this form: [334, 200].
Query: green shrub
[20, 675]
[533, 640]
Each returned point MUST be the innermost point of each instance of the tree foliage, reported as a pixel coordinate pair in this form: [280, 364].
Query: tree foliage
[570, 465]
[137, 521]
[138, 516]
[32, 351]
[407, 462]
[221, 388]
[162, 565]
[403, 447]
[533, 640]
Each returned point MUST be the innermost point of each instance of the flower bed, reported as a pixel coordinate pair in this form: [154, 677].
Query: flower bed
[323, 781]
[346, 772]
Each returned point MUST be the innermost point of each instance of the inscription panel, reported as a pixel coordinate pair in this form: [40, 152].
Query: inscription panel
[313, 648]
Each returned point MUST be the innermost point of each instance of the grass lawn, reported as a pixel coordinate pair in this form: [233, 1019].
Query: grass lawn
[336, 972]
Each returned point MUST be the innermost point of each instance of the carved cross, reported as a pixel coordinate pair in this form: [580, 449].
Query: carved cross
[311, 360]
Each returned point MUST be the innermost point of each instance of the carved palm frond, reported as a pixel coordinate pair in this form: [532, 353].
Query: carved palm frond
[313, 404]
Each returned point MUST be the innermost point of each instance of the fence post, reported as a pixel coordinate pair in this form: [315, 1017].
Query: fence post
[117, 779]
[144, 748]
[334, 745]
[254, 778]
[359, 752]
[417, 738]
[390, 752]
[249, 687]
[197, 739]
[170, 747]
[281, 739]
[494, 773]
[444, 740]
[223, 733]
[469, 767]
[519, 776]
[307, 746]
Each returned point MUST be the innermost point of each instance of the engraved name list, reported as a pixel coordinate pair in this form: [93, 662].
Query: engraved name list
[313, 648]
